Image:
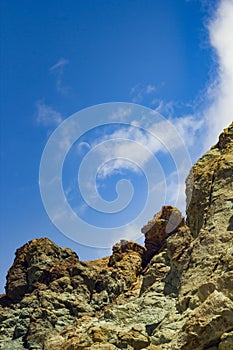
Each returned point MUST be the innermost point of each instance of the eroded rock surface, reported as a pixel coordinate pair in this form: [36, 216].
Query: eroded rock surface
[176, 293]
[157, 230]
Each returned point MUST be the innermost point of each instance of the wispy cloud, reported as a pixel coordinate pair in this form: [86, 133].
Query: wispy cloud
[83, 147]
[61, 63]
[212, 110]
[120, 115]
[219, 113]
[139, 92]
[209, 120]
[58, 70]
[139, 145]
[188, 127]
[166, 109]
[47, 115]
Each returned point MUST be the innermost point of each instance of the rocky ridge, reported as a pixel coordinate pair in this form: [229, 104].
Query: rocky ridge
[176, 293]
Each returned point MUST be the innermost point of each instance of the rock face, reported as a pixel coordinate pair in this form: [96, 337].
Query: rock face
[176, 293]
[157, 230]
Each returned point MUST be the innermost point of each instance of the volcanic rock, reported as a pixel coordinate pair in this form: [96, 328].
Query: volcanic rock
[176, 293]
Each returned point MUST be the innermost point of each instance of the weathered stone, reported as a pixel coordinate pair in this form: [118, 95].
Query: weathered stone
[17, 284]
[134, 338]
[155, 273]
[176, 293]
[209, 187]
[157, 230]
[226, 341]
[207, 323]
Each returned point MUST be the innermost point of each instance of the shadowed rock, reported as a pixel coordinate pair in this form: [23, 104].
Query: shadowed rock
[157, 230]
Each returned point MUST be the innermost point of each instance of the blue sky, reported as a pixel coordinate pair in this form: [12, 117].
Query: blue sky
[59, 57]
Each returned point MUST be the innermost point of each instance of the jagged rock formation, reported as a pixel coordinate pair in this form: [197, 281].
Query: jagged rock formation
[176, 293]
[157, 230]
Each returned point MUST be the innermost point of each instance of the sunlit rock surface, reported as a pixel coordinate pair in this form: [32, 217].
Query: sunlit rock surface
[174, 293]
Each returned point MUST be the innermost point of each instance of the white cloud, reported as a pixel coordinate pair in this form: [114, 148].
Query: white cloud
[139, 92]
[149, 89]
[219, 114]
[140, 144]
[120, 115]
[83, 147]
[134, 148]
[60, 63]
[58, 70]
[81, 209]
[187, 127]
[67, 135]
[121, 146]
[164, 108]
[208, 121]
[47, 115]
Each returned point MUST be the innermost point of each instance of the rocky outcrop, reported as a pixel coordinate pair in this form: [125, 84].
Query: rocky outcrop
[209, 188]
[48, 288]
[209, 217]
[157, 230]
[176, 293]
